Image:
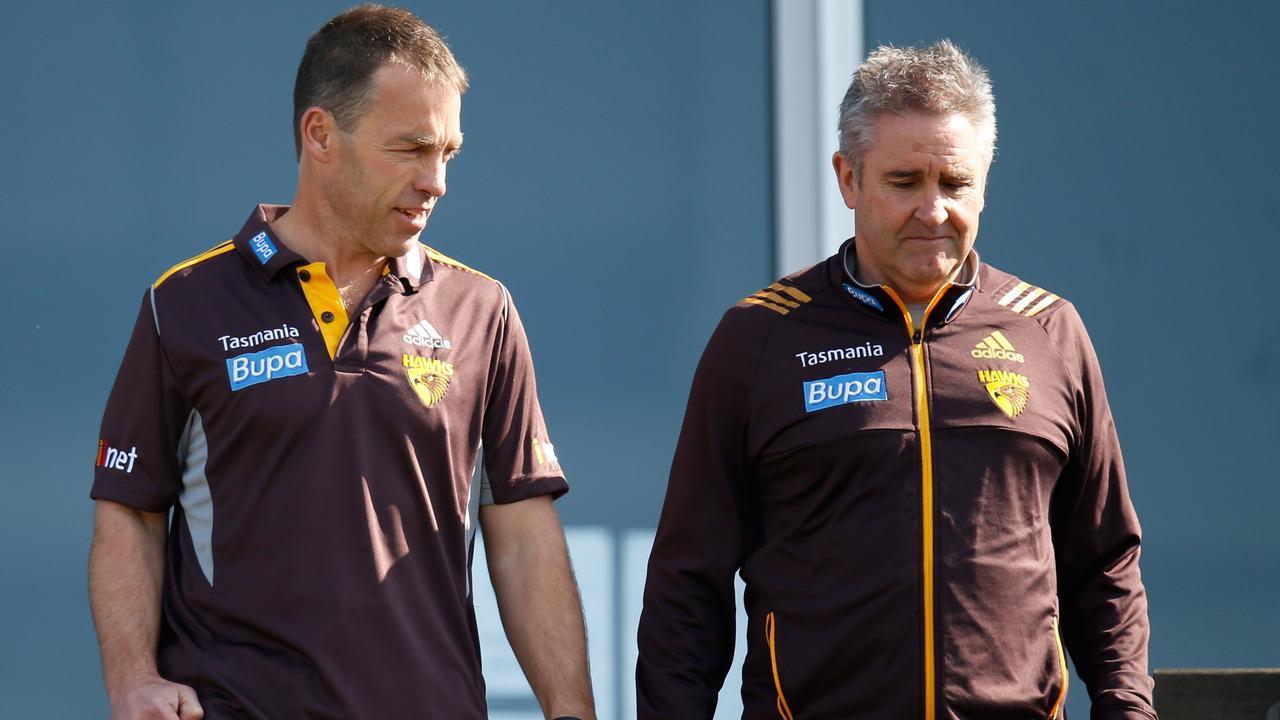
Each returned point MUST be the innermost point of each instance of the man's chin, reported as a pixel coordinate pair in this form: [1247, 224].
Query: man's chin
[401, 246]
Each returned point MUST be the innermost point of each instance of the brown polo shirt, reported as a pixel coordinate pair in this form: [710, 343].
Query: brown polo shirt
[323, 475]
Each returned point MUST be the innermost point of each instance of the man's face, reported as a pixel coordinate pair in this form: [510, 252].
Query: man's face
[918, 201]
[389, 171]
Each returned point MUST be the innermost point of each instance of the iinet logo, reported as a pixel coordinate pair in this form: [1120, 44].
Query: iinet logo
[109, 457]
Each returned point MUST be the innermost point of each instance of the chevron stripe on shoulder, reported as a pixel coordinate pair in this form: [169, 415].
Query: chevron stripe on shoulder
[215, 251]
[1026, 299]
[779, 298]
[438, 257]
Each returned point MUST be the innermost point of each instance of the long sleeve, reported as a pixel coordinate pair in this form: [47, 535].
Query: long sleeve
[686, 634]
[1097, 542]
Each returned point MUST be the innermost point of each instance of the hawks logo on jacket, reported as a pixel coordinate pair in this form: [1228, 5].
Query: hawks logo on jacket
[1008, 390]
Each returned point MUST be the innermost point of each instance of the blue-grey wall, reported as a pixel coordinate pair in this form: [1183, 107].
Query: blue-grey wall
[617, 177]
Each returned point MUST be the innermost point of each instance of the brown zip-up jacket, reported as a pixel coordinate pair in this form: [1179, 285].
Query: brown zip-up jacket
[927, 519]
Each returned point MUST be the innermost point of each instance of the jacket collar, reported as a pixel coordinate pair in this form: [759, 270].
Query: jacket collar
[883, 301]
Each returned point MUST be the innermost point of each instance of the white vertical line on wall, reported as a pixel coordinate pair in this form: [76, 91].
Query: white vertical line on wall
[816, 46]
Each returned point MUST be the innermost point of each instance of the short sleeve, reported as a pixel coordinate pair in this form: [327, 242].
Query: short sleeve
[519, 458]
[136, 462]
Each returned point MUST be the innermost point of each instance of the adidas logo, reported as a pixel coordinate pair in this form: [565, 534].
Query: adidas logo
[997, 347]
[423, 335]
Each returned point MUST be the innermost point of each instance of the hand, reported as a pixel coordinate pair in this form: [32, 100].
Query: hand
[154, 698]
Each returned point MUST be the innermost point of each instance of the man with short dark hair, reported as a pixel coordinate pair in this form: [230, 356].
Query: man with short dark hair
[907, 454]
[328, 408]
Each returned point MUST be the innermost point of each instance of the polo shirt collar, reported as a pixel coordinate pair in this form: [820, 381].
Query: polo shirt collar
[260, 246]
[263, 250]
[412, 268]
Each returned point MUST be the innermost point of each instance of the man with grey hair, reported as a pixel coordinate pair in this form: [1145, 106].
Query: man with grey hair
[908, 456]
[310, 422]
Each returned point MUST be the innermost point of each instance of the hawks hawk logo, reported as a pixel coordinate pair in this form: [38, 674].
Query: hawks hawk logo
[429, 377]
[1008, 390]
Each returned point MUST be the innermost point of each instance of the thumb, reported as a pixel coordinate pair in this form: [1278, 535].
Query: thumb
[188, 705]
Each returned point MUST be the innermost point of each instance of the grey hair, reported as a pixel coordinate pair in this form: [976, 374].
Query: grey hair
[938, 80]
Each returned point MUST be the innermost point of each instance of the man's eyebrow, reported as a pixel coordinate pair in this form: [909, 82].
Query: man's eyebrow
[902, 174]
[431, 141]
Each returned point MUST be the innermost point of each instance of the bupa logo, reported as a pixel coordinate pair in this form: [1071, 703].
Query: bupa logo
[844, 389]
[262, 247]
[863, 297]
[267, 365]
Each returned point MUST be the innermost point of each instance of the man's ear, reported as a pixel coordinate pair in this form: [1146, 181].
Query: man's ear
[847, 179]
[318, 131]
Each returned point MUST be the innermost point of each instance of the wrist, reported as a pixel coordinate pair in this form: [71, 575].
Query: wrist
[123, 679]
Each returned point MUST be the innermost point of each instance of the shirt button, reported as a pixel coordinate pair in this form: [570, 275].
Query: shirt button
[326, 316]
[304, 275]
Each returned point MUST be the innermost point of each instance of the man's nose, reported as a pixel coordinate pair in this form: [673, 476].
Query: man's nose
[932, 209]
[431, 177]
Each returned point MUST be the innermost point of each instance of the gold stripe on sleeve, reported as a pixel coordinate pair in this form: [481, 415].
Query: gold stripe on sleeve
[213, 252]
[776, 298]
[757, 301]
[1015, 292]
[793, 292]
[1049, 300]
[1027, 300]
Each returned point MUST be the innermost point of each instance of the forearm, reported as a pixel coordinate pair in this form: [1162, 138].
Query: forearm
[541, 610]
[126, 567]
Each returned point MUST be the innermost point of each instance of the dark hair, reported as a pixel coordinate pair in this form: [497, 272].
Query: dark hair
[338, 65]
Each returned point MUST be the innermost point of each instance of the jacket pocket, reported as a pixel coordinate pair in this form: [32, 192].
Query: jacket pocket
[1056, 710]
[771, 638]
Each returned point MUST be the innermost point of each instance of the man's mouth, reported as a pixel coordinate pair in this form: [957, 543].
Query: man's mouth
[415, 215]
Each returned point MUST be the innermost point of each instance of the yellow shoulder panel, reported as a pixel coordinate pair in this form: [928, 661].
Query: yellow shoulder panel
[213, 252]
[446, 260]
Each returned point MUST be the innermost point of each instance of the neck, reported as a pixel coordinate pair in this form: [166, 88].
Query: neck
[316, 234]
[912, 294]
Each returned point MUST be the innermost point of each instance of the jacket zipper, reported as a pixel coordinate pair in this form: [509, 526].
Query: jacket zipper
[770, 637]
[926, 491]
[1062, 668]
